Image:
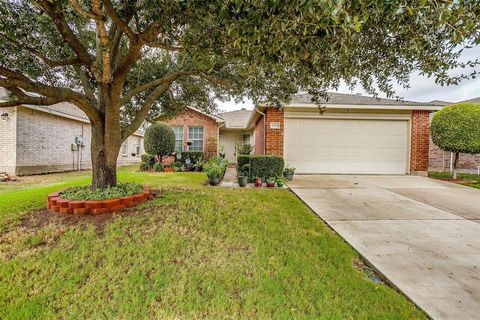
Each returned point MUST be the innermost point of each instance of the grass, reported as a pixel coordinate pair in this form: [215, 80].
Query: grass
[194, 252]
[463, 176]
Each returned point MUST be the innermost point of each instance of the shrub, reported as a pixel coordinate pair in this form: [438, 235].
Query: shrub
[215, 167]
[194, 156]
[144, 166]
[289, 170]
[456, 128]
[158, 167]
[242, 160]
[266, 166]
[148, 159]
[159, 140]
[87, 193]
[244, 149]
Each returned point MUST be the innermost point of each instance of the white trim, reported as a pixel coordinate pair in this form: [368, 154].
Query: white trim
[368, 107]
[217, 118]
[340, 116]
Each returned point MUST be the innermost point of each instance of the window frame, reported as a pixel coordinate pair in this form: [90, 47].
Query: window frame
[192, 140]
[249, 138]
[181, 127]
[124, 149]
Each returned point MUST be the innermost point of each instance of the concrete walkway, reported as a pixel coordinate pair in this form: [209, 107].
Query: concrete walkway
[422, 235]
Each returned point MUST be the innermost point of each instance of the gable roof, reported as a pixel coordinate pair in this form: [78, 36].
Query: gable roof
[237, 119]
[354, 99]
[474, 100]
[216, 118]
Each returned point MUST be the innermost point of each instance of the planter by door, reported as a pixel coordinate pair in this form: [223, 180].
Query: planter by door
[242, 181]
[213, 181]
[258, 182]
[289, 176]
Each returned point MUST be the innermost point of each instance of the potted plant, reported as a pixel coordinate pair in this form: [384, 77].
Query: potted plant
[221, 151]
[288, 172]
[270, 182]
[242, 180]
[257, 182]
[167, 168]
[214, 173]
[280, 181]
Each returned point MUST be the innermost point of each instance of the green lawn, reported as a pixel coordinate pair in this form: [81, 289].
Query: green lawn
[464, 176]
[193, 252]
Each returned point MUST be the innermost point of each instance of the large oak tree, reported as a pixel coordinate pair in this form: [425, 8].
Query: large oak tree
[125, 61]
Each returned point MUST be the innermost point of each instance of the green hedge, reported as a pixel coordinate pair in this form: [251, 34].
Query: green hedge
[194, 156]
[262, 166]
[241, 161]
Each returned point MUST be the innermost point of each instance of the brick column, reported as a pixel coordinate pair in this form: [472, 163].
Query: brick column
[274, 131]
[419, 142]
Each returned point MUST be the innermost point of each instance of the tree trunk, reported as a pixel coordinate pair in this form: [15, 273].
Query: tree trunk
[455, 164]
[104, 159]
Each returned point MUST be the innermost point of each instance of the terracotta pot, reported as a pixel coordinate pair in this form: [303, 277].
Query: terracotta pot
[168, 169]
[270, 183]
[257, 182]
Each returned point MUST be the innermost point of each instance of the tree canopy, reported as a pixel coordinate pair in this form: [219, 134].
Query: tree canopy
[124, 61]
[159, 140]
[456, 128]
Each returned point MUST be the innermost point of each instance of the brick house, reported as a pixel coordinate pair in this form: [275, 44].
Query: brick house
[348, 134]
[42, 139]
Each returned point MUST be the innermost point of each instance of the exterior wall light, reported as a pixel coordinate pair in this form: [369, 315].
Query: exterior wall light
[4, 116]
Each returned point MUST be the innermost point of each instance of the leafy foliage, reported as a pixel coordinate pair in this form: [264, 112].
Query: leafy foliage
[215, 167]
[158, 167]
[244, 149]
[456, 128]
[266, 166]
[242, 160]
[87, 193]
[144, 166]
[148, 159]
[159, 139]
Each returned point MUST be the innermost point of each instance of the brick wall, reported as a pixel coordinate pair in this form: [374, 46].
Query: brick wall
[420, 138]
[259, 136]
[274, 137]
[438, 159]
[192, 118]
[8, 140]
[44, 143]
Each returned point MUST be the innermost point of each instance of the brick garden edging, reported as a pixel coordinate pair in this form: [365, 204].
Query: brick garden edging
[65, 206]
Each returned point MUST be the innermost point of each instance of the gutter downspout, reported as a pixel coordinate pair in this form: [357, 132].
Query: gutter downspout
[264, 130]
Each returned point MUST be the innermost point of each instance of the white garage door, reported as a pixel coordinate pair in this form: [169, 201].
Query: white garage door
[346, 146]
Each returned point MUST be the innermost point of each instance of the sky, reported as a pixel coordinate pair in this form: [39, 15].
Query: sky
[422, 89]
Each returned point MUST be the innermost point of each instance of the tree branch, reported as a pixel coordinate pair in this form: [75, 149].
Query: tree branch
[22, 98]
[118, 21]
[152, 84]
[54, 10]
[142, 113]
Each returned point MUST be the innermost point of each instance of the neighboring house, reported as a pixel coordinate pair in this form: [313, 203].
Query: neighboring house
[441, 160]
[42, 139]
[349, 134]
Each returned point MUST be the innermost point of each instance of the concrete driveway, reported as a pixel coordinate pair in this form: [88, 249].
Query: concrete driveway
[423, 235]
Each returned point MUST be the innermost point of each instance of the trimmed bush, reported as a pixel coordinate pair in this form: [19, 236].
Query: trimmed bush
[159, 140]
[144, 166]
[148, 159]
[266, 166]
[158, 167]
[456, 128]
[242, 160]
[194, 156]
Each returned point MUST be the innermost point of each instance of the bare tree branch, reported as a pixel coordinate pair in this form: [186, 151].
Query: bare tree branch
[23, 98]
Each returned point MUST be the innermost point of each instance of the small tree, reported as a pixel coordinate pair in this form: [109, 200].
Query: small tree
[159, 140]
[456, 128]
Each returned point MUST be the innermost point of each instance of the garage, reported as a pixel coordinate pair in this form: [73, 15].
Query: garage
[347, 146]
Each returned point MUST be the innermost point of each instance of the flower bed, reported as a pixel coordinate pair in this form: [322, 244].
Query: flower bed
[56, 202]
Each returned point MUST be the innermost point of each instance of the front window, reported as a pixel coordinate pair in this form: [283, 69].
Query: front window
[246, 138]
[178, 138]
[125, 149]
[137, 150]
[195, 137]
